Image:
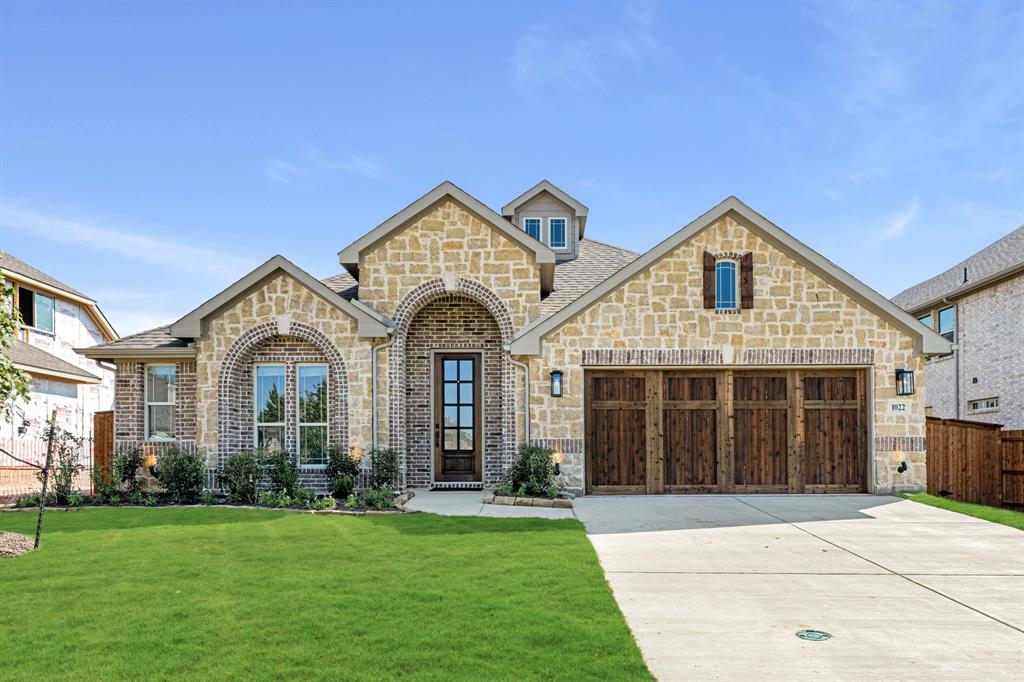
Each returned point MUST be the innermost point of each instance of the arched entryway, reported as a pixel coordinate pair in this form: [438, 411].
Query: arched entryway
[452, 387]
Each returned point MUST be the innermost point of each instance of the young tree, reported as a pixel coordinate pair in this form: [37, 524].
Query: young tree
[14, 383]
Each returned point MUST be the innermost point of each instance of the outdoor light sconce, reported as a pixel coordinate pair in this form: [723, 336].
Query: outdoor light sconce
[558, 457]
[556, 383]
[904, 382]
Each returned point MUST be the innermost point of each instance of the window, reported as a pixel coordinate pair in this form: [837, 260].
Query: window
[36, 309]
[312, 401]
[947, 323]
[556, 227]
[161, 387]
[459, 424]
[926, 320]
[725, 285]
[532, 227]
[983, 405]
[269, 406]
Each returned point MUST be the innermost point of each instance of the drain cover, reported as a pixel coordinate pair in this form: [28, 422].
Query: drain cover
[813, 635]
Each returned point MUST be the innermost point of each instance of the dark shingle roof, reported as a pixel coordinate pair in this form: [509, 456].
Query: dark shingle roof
[345, 284]
[30, 357]
[1004, 254]
[156, 338]
[9, 263]
[597, 262]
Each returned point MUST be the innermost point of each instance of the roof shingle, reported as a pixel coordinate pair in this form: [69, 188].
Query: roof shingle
[29, 357]
[596, 262]
[9, 263]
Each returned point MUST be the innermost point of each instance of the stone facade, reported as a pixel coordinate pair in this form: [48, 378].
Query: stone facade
[989, 360]
[798, 319]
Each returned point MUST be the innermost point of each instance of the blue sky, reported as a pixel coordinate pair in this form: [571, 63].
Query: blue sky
[150, 154]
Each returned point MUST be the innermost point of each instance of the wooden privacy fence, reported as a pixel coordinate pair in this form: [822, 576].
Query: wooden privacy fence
[976, 462]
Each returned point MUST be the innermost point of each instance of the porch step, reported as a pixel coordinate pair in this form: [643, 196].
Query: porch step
[456, 486]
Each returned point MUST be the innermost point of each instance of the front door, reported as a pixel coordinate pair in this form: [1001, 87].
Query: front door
[457, 418]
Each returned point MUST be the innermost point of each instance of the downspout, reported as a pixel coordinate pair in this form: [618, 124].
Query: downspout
[526, 403]
[373, 392]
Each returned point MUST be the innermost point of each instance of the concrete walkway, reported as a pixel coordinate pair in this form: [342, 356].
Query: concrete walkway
[471, 503]
[715, 587]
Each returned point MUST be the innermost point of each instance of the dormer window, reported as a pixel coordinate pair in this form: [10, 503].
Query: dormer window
[556, 229]
[532, 227]
[725, 285]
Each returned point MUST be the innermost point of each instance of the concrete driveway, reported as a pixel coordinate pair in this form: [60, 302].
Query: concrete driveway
[715, 587]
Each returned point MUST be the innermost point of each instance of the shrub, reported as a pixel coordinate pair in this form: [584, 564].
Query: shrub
[136, 498]
[181, 473]
[342, 486]
[303, 497]
[240, 475]
[75, 499]
[373, 498]
[532, 473]
[150, 500]
[325, 502]
[269, 498]
[341, 471]
[281, 471]
[27, 501]
[207, 497]
[383, 468]
[127, 464]
[66, 464]
[103, 490]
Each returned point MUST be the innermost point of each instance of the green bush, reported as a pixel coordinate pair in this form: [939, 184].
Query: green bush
[75, 499]
[341, 471]
[373, 498]
[282, 474]
[532, 473]
[269, 498]
[181, 473]
[127, 464]
[241, 475]
[150, 500]
[27, 501]
[383, 468]
[66, 463]
[207, 497]
[325, 502]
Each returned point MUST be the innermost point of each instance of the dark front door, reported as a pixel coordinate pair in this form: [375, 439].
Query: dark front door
[457, 418]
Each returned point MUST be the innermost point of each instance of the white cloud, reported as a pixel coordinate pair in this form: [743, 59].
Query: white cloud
[578, 57]
[312, 163]
[895, 225]
[163, 253]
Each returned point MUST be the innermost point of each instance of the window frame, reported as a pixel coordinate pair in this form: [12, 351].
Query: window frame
[256, 424]
[298, 412]
[540, 226]
[735, 284]
[971, 409]
[34, 324]
[565, 233]
[146, 403]
[938, 324]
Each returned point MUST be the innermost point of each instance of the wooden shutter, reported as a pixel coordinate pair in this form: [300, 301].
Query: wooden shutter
[747, 281]
[709, 280]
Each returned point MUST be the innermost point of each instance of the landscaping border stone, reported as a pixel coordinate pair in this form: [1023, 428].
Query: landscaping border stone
[517, 501]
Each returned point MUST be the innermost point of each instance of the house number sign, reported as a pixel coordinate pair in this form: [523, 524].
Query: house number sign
[899, 406]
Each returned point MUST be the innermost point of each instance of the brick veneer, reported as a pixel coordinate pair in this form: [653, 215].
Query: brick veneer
[469, 316]
[130, 402]
[266, 343]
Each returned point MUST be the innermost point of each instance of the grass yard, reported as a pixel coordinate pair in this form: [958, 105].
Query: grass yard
[214, 593]
[1007, 517]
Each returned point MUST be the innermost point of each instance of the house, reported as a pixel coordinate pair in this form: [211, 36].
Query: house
[56, 320]
[978, 305]
[728, 358]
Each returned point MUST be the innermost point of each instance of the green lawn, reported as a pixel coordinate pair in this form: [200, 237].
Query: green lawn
[1007, 517]
[213, 593]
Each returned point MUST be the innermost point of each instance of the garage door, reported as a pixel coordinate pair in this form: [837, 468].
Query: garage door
[675, 431]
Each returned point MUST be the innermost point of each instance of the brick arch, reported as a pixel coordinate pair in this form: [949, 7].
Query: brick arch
[415, 301]
[234, 385]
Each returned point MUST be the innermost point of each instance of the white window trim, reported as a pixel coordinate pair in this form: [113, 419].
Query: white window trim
[564, 246]
[736, 284]
[981, 410]
[146, 402]
[255, 384]
[540, 226]
[298, 411]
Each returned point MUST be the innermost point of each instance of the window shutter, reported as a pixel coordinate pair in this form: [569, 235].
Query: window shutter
[747, 280]
[709, 280]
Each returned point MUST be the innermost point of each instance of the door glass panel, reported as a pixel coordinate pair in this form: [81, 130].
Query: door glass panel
[451, 439]
[451, 368]
[466, 394]
[451, 416]
[465, 370]
[466, 439]
[466, 416]
[451, 393]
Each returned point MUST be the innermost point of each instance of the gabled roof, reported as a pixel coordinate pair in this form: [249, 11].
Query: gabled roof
[579, 209]
[39, 362]
[995, 262]
[371, 323]
[151, 344]
[37, 279]
[544, 257]
[528, 342]
[595, 263]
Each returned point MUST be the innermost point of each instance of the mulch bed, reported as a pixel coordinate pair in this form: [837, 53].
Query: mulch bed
[15, 544]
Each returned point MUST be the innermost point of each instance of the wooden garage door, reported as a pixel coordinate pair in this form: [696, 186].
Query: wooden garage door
[676, 431]
[617, 432]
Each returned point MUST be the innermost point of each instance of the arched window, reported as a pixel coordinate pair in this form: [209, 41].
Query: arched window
[725, 285]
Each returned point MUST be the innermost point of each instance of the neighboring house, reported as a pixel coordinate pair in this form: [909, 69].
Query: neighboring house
[978, 305]
[730, 357]
[56, 320]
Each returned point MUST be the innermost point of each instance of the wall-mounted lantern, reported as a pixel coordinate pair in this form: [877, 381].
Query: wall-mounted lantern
[904, 382]
[558, 457]
[556, 383]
